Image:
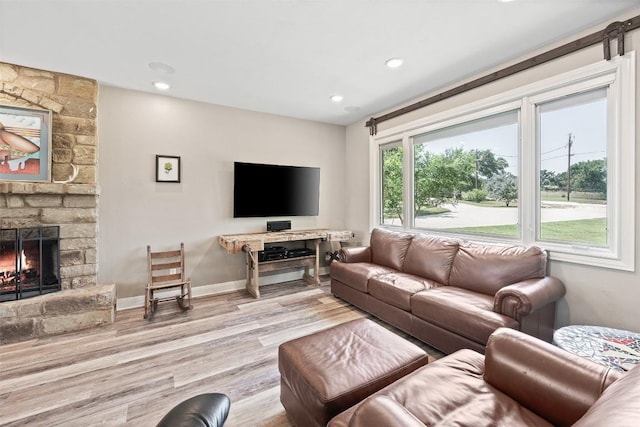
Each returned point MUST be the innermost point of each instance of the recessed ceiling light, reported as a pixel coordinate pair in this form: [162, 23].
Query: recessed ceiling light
[352, 108]
[161, 85]
[336, 98]
[161, 67]
[394, 62]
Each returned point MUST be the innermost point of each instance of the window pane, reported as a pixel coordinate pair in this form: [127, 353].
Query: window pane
[466, 177]
[391, 198]
[573, 168]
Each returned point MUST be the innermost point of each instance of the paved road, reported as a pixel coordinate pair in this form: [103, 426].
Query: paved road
[464, 215]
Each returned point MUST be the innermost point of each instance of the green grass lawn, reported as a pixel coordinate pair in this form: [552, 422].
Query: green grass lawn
[558, 196]
[592, 231]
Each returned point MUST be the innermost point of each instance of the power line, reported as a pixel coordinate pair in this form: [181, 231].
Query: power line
[555, 149]
[573, 154]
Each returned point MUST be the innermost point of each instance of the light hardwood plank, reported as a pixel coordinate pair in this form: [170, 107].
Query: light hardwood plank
[132, 372]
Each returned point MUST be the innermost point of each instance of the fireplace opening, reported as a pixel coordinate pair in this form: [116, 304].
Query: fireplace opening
[29, 262]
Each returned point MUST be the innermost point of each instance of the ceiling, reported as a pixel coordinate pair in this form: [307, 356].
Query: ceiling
[288, 57]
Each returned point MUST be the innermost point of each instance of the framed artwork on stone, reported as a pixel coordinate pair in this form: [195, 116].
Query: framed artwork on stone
[25, 144]
[167, 168]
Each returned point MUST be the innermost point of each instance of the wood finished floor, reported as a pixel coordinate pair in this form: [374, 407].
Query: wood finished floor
[132, 372]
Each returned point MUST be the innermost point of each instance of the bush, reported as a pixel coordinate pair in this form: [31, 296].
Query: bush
[476, 195]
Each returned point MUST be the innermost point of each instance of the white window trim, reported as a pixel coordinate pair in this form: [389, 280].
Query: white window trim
[620, 74]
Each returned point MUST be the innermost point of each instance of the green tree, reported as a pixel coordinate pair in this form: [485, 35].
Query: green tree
[503, 187]
[392, 183]
[423, 192]
[439, 178]
[487, 165]
[549, 180]
[476, 195]
[589, 176]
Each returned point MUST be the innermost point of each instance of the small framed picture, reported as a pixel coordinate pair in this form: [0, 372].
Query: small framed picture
[167, 168]
[25, 144]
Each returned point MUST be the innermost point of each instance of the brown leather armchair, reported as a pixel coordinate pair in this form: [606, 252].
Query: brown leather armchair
[521, 381]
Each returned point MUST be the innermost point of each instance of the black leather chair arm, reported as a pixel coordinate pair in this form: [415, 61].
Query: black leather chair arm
[203, 410]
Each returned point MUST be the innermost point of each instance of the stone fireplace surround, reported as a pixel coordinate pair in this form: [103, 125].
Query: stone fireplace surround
[82, 302]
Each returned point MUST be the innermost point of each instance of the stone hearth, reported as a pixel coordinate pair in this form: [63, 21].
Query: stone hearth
[64, 311]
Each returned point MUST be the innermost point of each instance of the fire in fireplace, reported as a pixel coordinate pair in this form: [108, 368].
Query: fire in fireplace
[29, 262]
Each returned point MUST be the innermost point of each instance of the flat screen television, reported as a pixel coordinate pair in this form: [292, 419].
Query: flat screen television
[262, 190]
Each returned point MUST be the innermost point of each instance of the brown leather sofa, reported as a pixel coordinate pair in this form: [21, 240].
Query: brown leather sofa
[520, 381]
[449, 293]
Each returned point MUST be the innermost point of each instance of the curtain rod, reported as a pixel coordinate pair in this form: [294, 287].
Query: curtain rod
[615, 30]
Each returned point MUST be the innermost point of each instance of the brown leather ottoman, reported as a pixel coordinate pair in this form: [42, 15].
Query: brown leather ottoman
[329, 371]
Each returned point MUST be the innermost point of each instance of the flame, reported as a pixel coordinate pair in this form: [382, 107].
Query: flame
[24, 263]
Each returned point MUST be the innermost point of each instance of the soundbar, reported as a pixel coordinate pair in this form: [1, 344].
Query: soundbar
[278, 225]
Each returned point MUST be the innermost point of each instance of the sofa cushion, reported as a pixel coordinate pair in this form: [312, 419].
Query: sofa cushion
[487, 268]
[618, 405]
[389, 248]
[383, 411]
[397, 288]
[431, 257]
[452, 392]
[461, 311]
[356, 275]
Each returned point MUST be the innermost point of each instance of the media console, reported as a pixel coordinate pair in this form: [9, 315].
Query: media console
[254, 243]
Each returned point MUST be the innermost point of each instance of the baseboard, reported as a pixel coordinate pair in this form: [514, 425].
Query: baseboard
[216, 288]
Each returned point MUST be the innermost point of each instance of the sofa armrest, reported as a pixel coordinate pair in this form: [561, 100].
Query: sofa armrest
[355, 254]
[383, 411]
[522, 298]
[553, 383]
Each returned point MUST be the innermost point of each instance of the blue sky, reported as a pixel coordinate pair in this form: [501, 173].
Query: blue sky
[584, 116]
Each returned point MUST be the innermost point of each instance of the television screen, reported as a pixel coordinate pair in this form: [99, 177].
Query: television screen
[261, 190]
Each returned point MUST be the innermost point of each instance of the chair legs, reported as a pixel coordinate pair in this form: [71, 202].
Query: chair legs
[151, 302]
[183, 295]
[147, 300]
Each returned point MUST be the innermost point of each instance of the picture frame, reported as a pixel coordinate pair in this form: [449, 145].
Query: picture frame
[25, 144]
[167, 168]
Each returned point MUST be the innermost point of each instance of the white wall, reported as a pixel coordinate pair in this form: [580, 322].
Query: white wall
[135, 211]
[594, 295]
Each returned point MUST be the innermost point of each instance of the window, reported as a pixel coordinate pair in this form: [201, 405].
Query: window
[551, 163]
[466, 177]
[392, 184]
[572, 133]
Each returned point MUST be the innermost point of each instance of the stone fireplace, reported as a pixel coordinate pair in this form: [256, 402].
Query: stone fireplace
[70, 201]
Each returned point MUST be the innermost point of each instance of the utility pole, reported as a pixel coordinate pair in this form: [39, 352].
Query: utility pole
[571, 138]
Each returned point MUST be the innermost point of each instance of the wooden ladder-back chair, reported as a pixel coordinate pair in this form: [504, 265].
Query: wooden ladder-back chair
[166, 271]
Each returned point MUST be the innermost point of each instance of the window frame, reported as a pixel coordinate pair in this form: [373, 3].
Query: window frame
[619, 75]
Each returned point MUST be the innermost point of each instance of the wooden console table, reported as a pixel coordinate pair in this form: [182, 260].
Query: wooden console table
[252, 243]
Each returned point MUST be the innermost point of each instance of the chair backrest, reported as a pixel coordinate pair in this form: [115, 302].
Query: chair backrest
[166, 266]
